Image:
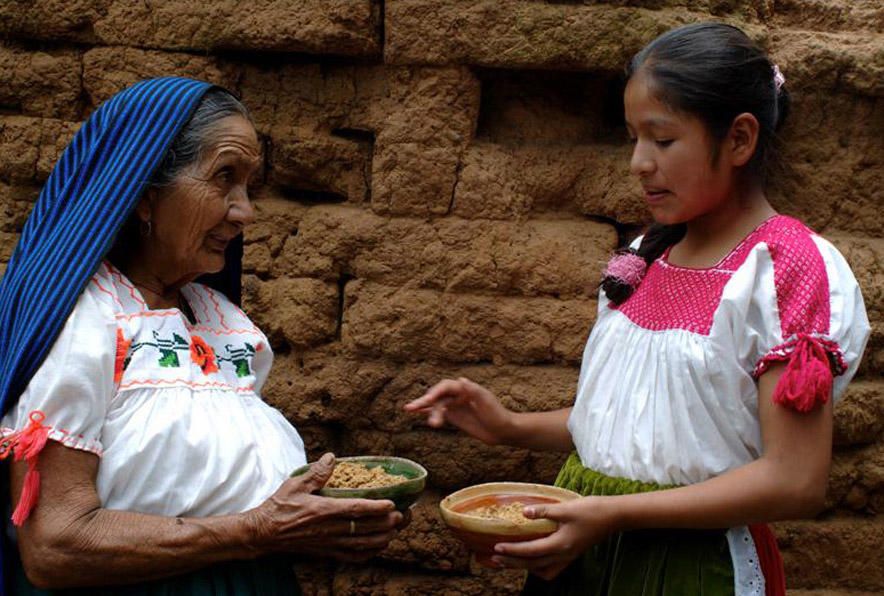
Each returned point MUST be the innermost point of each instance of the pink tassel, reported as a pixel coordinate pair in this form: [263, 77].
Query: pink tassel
[27, 445]
[627, 268]
[807, 380]
[28, 499]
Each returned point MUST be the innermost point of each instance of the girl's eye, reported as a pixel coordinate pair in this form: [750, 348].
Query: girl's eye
[664, 143]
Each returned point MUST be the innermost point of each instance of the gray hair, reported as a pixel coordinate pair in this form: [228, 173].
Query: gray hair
[197, 134]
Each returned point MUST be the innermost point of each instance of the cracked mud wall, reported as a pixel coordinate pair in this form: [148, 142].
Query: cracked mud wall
[443, 182]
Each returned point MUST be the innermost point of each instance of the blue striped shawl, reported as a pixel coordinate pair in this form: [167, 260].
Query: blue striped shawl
[91, 192]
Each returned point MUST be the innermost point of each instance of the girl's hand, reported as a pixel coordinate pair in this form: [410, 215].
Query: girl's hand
[466, 405]
[294, 520]
[582, 523]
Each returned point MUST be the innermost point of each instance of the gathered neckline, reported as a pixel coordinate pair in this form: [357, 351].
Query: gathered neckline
[664, 258]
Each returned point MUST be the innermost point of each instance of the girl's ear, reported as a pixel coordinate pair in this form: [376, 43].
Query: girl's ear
[742, 139]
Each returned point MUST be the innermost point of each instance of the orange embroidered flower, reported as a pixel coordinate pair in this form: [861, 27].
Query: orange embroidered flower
[122, 351]
[202, 354]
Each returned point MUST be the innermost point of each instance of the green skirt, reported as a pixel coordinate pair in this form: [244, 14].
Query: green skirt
[639, 562]
[264, 577]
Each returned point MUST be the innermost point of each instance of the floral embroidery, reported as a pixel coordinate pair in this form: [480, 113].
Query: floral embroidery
[121, 361]
[240, 358]
[203, 355]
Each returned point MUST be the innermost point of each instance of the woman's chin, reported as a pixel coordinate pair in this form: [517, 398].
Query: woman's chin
[212, 263]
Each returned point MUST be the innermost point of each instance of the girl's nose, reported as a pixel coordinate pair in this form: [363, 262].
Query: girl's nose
[641, 163]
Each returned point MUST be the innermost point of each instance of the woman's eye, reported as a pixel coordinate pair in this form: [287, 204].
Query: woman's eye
[224, 174]
[664, 143]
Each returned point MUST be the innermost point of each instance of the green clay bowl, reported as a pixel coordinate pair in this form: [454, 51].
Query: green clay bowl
[403, 494]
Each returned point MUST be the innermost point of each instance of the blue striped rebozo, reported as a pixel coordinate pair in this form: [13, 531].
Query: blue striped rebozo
[87, 198]
[89, 195]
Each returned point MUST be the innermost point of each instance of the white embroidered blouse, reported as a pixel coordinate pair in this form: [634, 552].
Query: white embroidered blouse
[173, 409]
[667, 390]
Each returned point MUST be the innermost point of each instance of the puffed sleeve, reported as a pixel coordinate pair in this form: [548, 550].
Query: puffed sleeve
[809, 314]
[68, 397]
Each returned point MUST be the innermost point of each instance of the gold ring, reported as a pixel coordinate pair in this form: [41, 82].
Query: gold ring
[352, 527]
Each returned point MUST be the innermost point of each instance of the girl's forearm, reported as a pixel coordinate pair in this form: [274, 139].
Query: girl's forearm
[541, 431]
[788, 481]
[761, 491]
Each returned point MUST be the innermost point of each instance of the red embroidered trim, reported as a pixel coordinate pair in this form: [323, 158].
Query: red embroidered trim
[65, 437]
[139, 383]
[783, 352]
[133, 292]
[217, 306]
[113, 295]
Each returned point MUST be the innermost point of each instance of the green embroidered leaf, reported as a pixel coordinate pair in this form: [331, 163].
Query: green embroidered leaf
[242, 368]
[169, 358]
[180, 340]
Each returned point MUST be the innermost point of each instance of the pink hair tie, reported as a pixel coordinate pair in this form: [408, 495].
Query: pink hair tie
[627, 268]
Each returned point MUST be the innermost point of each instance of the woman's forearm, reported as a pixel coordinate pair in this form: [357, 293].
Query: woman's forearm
[541, 431]
[107, 547]
[69, 540]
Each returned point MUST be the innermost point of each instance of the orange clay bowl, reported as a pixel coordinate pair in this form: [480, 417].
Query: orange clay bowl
[481, 534]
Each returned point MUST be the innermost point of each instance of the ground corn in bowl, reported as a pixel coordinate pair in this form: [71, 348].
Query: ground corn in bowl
[357, 475]
[375, 477]
[485, 514]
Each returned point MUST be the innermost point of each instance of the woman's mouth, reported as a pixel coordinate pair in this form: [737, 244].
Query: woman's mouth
[216, 243]
[655, 195]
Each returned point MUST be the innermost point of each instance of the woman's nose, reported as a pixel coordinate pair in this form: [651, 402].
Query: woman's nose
[641, 163]
[241, 210]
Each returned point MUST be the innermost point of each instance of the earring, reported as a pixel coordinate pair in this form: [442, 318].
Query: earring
[146, 228]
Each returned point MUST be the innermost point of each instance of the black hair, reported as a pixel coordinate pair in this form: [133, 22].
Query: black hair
[186, 149]
[714, 72]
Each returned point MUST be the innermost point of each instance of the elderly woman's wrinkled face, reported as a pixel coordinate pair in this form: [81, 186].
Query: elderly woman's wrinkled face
[206, 206]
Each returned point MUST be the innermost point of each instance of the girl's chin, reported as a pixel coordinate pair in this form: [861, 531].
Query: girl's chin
[665, 217]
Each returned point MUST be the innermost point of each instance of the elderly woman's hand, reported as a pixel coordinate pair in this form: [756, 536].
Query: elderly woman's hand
[295, 520]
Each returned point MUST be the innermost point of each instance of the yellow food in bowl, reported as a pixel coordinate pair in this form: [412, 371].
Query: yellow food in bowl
[511, 512]
[355, 475]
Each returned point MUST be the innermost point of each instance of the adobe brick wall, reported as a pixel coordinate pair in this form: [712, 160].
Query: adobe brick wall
[444, 179]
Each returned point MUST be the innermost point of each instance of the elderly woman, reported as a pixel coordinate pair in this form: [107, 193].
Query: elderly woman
[164, 472]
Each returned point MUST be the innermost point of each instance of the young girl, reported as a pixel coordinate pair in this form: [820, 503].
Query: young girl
[721, 336]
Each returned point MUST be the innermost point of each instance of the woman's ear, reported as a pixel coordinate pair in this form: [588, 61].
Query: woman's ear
[144, 208]
[742, 139]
